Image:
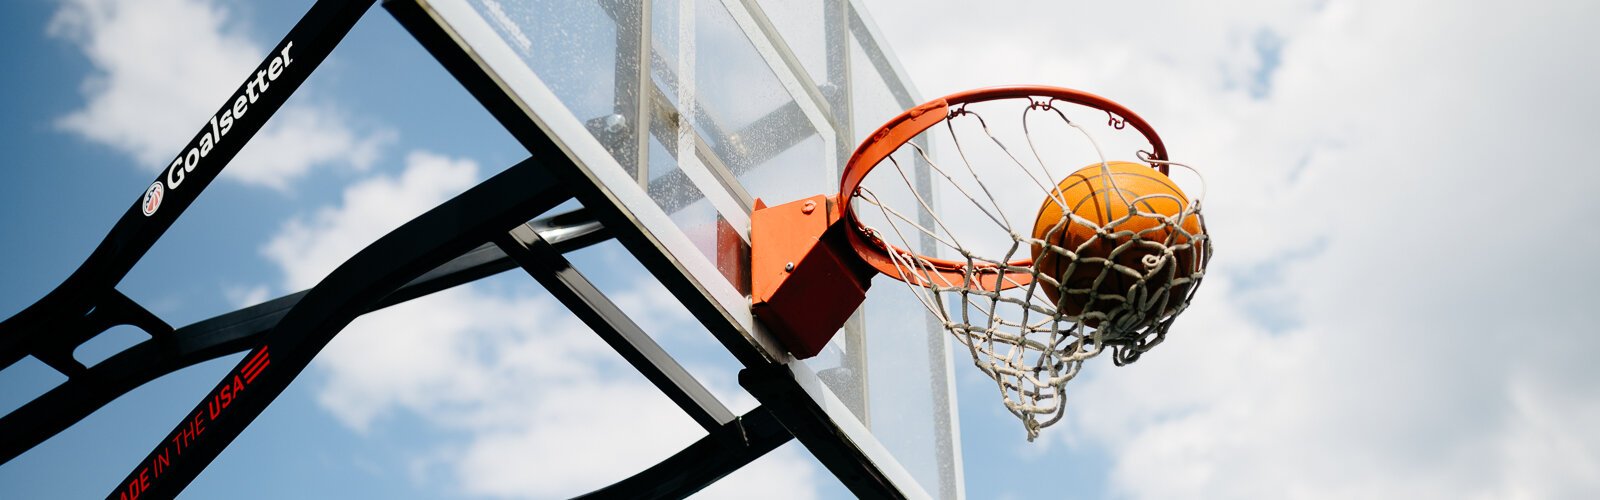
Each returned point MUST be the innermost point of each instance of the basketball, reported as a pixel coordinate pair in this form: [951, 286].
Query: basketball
[1136, 206]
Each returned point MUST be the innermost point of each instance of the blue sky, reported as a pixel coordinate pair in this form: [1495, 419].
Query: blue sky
[1400, 193]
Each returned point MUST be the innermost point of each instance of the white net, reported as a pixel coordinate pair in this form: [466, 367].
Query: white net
[1115, 284]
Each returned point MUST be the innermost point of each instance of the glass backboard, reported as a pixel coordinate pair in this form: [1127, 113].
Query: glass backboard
[679, 115]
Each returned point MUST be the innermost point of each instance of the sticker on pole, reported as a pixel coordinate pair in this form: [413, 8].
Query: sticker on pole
[152, 198]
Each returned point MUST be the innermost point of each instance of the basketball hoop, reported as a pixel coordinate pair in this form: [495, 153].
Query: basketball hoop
[1115, 253]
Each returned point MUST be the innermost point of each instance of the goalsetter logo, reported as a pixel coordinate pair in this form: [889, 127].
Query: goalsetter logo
[219, 127]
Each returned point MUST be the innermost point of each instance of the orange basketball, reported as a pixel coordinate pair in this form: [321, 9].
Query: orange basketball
[1126, 241]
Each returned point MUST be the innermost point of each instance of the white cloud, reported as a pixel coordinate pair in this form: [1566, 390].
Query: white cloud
[300, 138]
[533, 403]
[782, 473]
[546, 409]
[308, 248]
[1405, 192]
[154, 86]
[246, 296]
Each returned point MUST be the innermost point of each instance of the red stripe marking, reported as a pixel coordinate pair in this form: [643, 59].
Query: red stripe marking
[251, 376]
[257, 362]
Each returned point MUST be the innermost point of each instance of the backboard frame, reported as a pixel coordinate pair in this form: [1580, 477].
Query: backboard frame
[463, 42]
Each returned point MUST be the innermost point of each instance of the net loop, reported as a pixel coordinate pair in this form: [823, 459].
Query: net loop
[1115, 121]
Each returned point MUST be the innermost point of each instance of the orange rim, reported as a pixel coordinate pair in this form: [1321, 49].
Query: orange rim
[901, 129]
